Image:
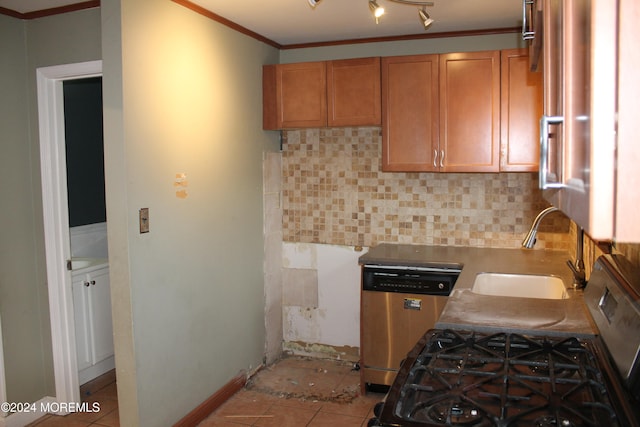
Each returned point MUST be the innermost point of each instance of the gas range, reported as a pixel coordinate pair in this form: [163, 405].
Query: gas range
[470, 378]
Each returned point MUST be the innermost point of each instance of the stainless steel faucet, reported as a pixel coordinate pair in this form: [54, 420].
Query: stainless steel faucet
[530, 240]
[579, 273]
[579, 276]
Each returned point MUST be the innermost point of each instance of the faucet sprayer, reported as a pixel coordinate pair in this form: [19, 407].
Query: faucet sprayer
[530, 240]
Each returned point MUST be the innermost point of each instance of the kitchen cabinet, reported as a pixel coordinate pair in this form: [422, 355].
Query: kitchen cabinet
[93, 323]
[470, 111]
[410, 111]
[353, 92]
[294, 95]
[521, 108]
[441, 112]
[588, 163]
[320, 94]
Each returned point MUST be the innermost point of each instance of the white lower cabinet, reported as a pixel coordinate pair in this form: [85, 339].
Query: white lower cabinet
[93, 325]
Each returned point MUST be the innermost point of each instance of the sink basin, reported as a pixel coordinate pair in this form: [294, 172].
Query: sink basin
[519, 285]
[79, 263]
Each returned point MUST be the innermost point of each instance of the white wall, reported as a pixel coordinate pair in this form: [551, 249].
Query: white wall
[321, 293]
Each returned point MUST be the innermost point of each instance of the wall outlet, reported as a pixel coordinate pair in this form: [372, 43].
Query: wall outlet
[144, 220]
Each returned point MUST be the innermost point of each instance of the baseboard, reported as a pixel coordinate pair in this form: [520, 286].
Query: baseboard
[203, 410]
[94, 371]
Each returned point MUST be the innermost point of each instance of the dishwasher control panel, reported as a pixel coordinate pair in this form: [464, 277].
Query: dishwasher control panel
[409, 280]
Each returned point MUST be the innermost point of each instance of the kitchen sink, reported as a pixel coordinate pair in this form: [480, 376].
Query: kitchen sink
[519, 285]
[79, 263]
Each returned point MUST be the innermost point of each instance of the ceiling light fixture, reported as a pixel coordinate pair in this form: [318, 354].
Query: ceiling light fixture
[376, 9]
[425, 18]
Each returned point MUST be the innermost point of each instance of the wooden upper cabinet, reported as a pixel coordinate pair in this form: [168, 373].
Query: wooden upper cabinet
[294, 95]
[470, 111]
[521, 109]
[410, 105]
[353, 92]
[321, 94]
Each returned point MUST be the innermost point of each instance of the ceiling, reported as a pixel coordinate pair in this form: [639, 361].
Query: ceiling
[288, 22]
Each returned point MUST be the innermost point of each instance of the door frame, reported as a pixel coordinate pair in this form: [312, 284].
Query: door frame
[3, 386]
[56, 219]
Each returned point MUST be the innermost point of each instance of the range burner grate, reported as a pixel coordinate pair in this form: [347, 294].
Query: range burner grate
[458, 378]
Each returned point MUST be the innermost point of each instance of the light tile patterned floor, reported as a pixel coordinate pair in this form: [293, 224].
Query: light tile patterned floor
[101, 390]
[299, 392]
[295, 392]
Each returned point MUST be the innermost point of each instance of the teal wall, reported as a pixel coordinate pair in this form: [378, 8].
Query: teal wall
[407, 47]
[24, 46]
[182, 95]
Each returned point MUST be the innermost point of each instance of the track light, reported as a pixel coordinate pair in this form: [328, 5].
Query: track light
[425, 18]
[377, 10]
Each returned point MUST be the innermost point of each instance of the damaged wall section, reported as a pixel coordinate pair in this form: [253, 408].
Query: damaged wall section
[321, 294]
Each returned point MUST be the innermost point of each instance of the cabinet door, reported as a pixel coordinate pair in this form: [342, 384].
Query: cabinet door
[580, 82]
[521, 109]
[100, 316]
[353, 92]
[628, 176]
[470, 111]
[410, 113]
[81, 316]
[294, 95]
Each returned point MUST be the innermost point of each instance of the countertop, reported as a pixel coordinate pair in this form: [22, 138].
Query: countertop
[467, 310]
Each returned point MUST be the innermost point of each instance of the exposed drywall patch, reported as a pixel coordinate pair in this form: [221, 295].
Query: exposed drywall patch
[300, 287]
[335, 319]
[323, 351]
[180, 183]
[301, 324]
[299, 255]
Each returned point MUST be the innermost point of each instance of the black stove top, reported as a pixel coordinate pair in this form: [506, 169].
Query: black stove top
[466, 378]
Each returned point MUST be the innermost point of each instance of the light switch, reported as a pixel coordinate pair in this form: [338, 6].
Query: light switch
[144, 220]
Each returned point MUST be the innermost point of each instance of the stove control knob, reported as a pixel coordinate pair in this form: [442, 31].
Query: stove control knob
[377, 409]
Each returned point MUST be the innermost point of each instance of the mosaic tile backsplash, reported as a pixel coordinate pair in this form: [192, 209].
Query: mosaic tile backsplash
[334, 192]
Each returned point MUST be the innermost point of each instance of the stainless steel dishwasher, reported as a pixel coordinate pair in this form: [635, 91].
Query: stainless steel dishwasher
[399, 304]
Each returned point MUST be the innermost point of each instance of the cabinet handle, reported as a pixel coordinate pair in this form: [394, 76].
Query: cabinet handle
[93, 282]
[86, 283]
[545, 121]
[435, 158]
[442, 158]
[527, 34]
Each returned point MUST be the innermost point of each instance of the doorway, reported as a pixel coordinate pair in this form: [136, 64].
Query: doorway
[56, 220]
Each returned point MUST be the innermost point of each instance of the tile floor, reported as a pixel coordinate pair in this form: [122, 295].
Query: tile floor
[101, 390]
[294, 392]
[299, 392]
